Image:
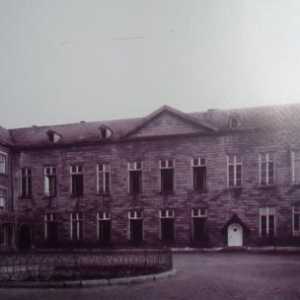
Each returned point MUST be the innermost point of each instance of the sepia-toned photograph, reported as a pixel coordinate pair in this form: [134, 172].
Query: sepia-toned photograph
[150, 149]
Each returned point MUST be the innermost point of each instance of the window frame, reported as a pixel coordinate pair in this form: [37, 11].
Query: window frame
[295, 162]
[296, 214]
[136, 166]
[268, 161]
[198, 213]
[166, 164]
[48, 217]
[51, 176]
[235, 165]
[269, 211]
[104, 170]
[79, 171]
[27, 176]
[3, 164]
[166, 214]
[199, 162]
[134, 215]
[4, 196]
[102, 216]
[79, 221]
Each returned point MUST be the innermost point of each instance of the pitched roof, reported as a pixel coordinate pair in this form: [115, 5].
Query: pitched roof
[5, 136]
[269, 117]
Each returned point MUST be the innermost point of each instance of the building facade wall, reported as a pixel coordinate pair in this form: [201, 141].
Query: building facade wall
[220, 201]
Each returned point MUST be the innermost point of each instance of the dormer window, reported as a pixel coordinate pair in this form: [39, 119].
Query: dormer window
[53, 136]
[234, 121]
[105, 132]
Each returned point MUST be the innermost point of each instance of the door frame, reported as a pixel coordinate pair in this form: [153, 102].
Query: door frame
[231, 230]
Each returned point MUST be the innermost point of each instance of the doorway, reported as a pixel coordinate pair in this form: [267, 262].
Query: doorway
[235, 235]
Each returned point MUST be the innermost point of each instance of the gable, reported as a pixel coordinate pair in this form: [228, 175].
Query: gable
[166, 123]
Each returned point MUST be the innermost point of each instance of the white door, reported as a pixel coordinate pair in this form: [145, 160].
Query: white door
[235, 235]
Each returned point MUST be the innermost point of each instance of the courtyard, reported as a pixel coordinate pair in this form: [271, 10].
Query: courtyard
[199, 276]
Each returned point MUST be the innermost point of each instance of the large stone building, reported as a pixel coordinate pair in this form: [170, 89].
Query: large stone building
[216, 178]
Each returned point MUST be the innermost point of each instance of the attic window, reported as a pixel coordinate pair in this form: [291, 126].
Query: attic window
[53, 136]
[105, 132]
[234, 122]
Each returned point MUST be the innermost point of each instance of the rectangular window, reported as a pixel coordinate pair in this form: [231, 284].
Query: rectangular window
[103, 182]
[199, 174]
[50, 228]
[267, 168]
[76, 181]
[166, 175]
[135, 219]
[104, 227]
[234, 170]
[296, 167]
[26, 191]
[199, 228]
[76, 226]
[166, 225]
[267, 221]
[296, 220]
[3, 163]
[135, 177]
[3, 199]
[50, 181]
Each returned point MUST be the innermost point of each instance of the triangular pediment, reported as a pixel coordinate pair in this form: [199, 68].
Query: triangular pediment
[168, 121]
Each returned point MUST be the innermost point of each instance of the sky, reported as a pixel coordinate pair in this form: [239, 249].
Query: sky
[64, 61]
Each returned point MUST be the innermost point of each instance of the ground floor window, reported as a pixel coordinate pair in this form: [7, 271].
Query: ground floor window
[135, 231]
[76, 226]
[50, 228]
[3, 199]
[267, 221]
[104, 227]
[199, 224]
[296, 220]
[166, 225]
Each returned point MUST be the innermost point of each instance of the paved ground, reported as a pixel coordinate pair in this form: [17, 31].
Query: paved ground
[233, 276]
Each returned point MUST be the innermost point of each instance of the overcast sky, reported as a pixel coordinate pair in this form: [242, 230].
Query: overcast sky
[64, 61]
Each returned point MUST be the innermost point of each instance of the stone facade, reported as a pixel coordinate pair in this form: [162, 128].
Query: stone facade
[245, 212]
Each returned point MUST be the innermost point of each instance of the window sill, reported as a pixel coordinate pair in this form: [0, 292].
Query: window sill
[234, 188]
[267, 187]
[49, 197]
[200, 191]
[104, 194]
[25, 197]
[166, 193]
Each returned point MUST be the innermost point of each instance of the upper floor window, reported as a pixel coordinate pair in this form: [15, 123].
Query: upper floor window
[103, 180]
[77, 181]
[135, 177]
[199, 174]
[234, 121]
[3, 163]
[50, 181]
[296, 166]
[166, 175]
[3, 199]
[53, 136]
[267, 168]
[296, 220]
[26, 190]
[267, 221]
[105, 132]
[234, 170]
